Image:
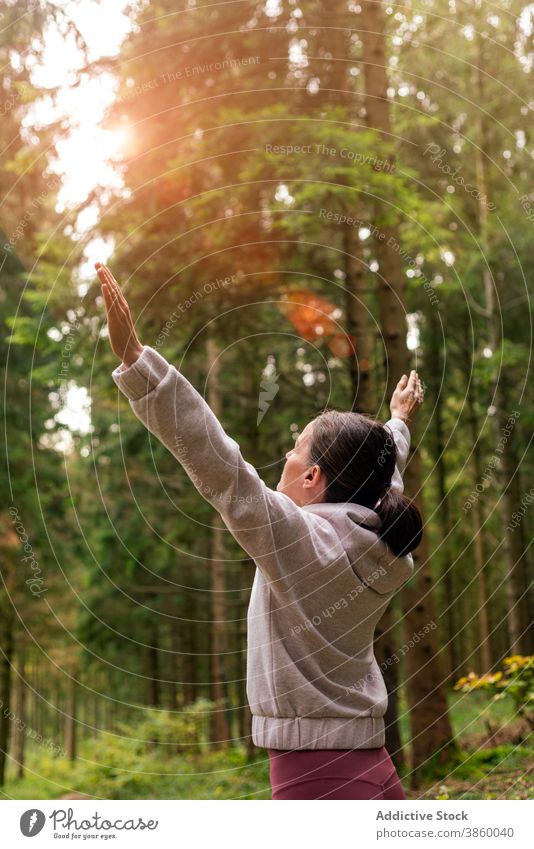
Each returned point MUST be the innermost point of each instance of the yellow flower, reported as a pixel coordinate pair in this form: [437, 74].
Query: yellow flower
[519, 660]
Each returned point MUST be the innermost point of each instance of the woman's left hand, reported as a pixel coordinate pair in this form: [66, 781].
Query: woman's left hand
[408, 396]
[122, 335]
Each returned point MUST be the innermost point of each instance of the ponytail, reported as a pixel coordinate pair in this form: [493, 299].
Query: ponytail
[358, 457]
[402, 526]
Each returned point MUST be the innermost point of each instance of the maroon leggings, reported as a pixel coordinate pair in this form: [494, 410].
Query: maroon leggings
[333, 774]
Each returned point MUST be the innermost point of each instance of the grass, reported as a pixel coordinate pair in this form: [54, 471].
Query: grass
[115, 767]
[108, 773]
[502, 772]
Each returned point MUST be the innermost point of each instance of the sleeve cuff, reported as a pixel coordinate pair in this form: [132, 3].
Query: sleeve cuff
[143, 376]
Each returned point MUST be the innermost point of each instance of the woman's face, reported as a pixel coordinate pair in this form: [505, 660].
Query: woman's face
[302, 482]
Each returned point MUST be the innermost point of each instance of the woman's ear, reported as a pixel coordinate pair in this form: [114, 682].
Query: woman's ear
[312, 475]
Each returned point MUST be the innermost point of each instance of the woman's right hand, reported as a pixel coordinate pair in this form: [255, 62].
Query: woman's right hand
[407, 397]
[122, 335]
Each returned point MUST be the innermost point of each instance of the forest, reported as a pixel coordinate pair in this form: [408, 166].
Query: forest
[301, 202]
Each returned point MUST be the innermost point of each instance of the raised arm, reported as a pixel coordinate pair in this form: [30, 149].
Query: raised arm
[287, 543]
[401, 435]
[405, 401]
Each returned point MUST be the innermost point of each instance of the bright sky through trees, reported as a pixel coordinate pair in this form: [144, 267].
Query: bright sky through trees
[84, 156]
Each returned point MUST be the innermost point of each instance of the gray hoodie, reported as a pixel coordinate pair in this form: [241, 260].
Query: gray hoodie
[323, 577]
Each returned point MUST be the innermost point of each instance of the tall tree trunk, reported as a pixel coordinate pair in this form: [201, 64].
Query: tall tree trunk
[153, 673]
[70, 718]
[478, 531]
[221, 734]
[190, 665]
[434, 368]
[520, 628]
[176, 665]
[6, 658]
[431, 730]
[526, 571]
[358, 323]
[20, 710]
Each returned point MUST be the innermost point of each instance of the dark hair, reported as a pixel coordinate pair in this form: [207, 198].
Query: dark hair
[358, 455]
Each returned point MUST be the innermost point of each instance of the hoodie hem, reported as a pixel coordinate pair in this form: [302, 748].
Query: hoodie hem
[325, 732]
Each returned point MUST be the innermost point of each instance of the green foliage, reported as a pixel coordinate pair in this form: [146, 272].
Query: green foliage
[128, 765]
[515, 681]
[186, 730]
[501, 772]
[165, 756]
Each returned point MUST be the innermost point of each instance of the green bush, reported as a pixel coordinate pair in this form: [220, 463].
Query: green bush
[515, 681]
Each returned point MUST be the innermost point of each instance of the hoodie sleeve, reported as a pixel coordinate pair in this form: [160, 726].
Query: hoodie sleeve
[401, 435]
[284, 540]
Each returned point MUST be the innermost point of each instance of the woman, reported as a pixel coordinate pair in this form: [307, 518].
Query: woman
[331, 545]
